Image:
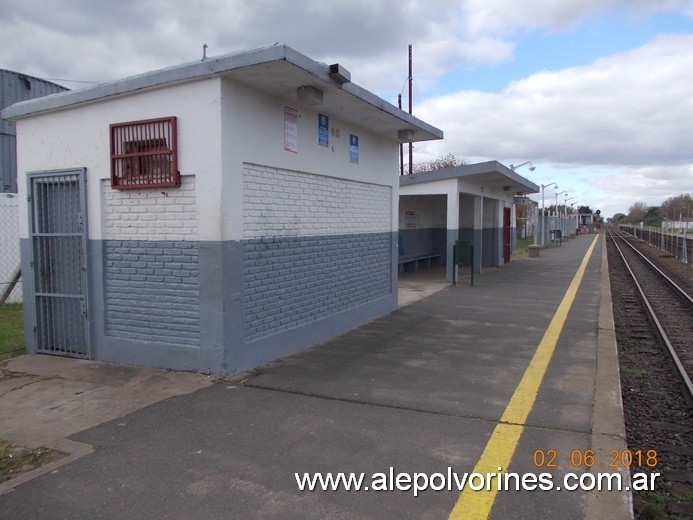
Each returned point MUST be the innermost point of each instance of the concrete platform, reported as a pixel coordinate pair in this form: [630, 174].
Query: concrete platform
[421, 390]
[420, 284]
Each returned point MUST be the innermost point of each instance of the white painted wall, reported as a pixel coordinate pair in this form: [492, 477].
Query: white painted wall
[253, 133]
[79, 137]
[151, 214]
[279, 203]
[431, 210]
[221, 125]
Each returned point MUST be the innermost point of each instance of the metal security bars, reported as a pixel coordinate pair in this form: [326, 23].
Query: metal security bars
[58, 261]
[144, 154]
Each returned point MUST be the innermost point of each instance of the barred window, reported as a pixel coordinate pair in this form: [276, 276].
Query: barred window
[144, 154]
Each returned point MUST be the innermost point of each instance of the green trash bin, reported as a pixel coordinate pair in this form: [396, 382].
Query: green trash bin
[464, 254]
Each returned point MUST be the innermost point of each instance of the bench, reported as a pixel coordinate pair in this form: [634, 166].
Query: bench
[412, 263]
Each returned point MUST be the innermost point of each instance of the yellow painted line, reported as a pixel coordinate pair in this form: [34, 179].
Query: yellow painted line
[499, 451]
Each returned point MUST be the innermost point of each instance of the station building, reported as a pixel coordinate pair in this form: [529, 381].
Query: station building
[211, 216]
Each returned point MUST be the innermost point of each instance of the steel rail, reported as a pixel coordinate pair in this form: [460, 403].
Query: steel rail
[683, 374]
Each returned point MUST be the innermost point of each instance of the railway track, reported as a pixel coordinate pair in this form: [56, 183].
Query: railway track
[668, 306]
[658, 415]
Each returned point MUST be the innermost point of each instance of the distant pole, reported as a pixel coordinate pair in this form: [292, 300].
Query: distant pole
[411, 145]
[401, 147]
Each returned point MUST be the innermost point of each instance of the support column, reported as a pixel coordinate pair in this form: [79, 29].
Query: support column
[478, 232]
[453, 233]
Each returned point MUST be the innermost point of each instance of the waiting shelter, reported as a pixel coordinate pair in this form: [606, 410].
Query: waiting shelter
[473, 203]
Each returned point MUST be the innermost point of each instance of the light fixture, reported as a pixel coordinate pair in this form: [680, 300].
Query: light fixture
[340, 74]
[309, 95]
[531, 166]
[405, 136]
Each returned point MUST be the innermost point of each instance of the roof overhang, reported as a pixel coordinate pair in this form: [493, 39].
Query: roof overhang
[278, 70]
[490, 175]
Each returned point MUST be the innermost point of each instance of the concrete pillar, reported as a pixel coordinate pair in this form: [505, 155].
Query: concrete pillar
[453, 232]
[478, 232]
[498, 259]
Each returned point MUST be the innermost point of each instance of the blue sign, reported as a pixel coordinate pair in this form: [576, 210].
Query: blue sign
[354, 148]
[323, 130]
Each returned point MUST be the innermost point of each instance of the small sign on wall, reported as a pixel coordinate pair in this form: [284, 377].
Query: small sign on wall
[354, 149]
[410, 219]
[290, 129]
[323, 130]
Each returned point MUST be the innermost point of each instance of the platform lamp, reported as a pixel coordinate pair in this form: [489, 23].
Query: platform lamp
[558, 218]
[531, 166]
[565, 214]
[543, 227]
[557, 194]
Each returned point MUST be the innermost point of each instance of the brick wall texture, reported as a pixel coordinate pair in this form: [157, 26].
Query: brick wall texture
[151, 272]
[314, 246]
[151, 214]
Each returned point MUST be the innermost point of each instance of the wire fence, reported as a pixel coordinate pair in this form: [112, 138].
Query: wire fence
[9, 246]
[676, 240]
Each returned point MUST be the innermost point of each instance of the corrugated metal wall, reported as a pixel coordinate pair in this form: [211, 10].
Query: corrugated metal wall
[16, 87]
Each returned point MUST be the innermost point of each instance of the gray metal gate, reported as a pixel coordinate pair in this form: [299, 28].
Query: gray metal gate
[58, 235]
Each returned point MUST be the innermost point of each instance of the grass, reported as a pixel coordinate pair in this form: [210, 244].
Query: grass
[11, 331]
[632, 372]
[523, 245]
[15, 460]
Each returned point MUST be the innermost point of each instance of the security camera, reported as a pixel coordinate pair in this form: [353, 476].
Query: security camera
[532, 168]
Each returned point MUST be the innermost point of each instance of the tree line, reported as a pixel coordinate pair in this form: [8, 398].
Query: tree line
[674, 208]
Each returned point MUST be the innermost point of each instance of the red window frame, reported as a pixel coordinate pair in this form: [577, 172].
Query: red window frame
[144, 154]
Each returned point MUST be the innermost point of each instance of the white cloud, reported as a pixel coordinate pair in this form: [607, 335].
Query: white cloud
[630, 112]
[632, 108]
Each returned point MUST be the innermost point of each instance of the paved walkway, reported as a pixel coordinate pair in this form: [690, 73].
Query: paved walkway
[438, 386]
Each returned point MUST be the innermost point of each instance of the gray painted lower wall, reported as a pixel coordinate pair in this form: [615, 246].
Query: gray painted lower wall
[293, 281]
[422, 241]
[224, 307]
[491, 242]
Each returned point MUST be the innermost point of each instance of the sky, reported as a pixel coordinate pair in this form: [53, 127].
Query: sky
[597, 94]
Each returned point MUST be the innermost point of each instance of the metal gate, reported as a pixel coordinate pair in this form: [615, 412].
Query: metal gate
[507, 243]
[58, 233]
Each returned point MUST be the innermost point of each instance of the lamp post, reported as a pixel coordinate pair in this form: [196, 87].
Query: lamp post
[557, 194]
[543, 227]
[565, 214]
[558, 218]
[514, 167]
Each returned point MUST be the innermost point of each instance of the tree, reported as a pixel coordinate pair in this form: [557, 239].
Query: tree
[637, 212]
[677, 207]
[584, 209]
[652, 217]
[447, 161]
[618, 218]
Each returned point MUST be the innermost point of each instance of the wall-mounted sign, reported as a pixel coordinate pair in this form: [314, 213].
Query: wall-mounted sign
[354, 149]
[290, 129]
[323, 130]
[410, 219]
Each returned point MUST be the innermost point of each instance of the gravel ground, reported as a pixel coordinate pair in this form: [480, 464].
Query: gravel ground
[656, 414]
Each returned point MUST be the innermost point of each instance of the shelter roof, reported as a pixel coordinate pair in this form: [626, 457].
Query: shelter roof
[489, 174]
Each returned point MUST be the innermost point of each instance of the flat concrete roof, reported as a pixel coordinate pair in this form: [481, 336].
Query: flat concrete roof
[277, 70]
[489, 174]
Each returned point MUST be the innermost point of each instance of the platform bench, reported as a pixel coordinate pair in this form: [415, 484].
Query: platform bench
[412, 263]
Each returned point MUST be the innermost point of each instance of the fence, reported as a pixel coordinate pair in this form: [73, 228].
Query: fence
[553, 228]
[676, 241]
[9, 245]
